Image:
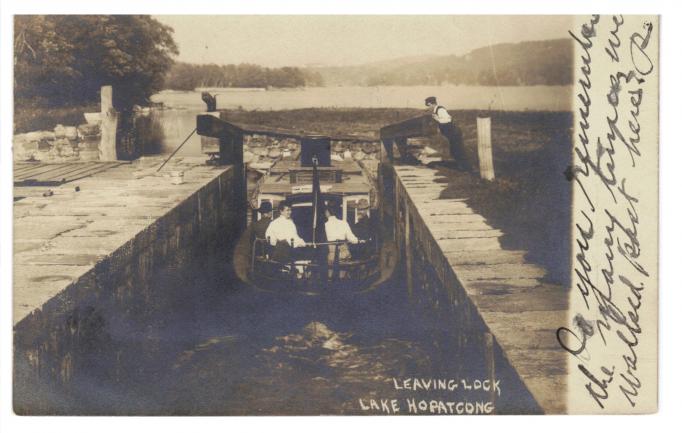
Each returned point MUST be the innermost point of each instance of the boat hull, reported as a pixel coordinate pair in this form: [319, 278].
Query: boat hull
[309, 279]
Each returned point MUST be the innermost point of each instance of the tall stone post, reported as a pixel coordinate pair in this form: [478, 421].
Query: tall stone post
[485, 148]
[109, 116]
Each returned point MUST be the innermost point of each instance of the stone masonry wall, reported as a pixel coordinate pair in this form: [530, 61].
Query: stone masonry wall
[439, 294]
[63, 144]
[71, 330]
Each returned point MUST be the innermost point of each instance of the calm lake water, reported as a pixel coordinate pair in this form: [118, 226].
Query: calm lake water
[544, 98]
[180, 119]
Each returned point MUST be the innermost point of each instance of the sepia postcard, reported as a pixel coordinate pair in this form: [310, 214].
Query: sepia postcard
[335, 214]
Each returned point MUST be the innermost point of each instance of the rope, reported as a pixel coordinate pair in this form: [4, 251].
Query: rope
[176, 150]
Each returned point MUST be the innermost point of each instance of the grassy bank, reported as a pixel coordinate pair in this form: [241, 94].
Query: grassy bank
[529, 200]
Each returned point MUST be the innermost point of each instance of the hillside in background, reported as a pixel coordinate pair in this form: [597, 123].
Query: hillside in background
[519, 64]
[524, 63]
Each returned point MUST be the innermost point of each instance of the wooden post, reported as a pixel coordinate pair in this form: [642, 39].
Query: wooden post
[401, 143]
[485, 148]
[232, 152]
[107, 144]
[210, 144]
[387, 150]
[344, 209]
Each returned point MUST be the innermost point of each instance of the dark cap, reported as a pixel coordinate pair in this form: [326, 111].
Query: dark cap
[430, 100]
[265, 207]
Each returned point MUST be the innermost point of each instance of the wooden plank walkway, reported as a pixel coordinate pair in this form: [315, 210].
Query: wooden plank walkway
[518, 307]
[53, 174]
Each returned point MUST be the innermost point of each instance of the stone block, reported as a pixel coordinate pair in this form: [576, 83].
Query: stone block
[26, 146]
[88, 130]
[71, 133]
[60, 131]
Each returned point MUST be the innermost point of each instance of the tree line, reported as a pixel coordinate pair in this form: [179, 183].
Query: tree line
[186, 76]
[63, 60]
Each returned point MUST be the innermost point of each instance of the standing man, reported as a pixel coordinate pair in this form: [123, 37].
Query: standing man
[450, 131]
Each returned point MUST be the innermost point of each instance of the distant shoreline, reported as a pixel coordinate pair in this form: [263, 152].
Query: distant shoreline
[224, 89]
[354, 86]
[453, 97]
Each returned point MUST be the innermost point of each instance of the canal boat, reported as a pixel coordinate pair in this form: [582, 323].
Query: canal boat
[310, 183]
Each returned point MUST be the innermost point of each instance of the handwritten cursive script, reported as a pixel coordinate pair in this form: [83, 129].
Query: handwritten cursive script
[610, 277]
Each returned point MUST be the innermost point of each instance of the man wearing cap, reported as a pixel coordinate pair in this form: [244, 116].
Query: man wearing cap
[364, 229]
[258, 228]
[448, 129]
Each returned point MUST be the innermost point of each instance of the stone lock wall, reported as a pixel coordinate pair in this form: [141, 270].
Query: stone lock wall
[84, 323]
[437, 292]
[261, 149]
[63, 144]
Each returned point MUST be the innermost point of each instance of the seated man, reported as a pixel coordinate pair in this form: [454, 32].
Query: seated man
[260, 227]
[282, 234]
[364, 229]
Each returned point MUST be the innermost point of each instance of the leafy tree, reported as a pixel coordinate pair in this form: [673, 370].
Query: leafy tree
[65, 59]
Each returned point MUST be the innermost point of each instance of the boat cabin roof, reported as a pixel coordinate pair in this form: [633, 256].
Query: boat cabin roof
[289, 177]
[283, 166]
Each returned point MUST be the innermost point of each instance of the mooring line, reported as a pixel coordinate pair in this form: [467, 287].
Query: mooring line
[176, 150]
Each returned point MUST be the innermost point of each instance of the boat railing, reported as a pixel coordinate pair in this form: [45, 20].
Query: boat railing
[314, 263]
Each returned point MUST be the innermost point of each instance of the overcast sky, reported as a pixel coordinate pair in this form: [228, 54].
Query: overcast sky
[345, 40]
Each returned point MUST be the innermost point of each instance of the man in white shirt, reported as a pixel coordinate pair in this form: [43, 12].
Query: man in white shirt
[282, 234]
[448, 129]
[284, 229]
[338, 230]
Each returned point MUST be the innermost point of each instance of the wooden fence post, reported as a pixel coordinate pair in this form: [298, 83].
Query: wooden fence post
[485, 148]
[107, 145]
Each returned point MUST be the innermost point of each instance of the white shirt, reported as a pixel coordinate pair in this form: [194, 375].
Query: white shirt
[283, 229]
[339, 230]
[441, 115]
